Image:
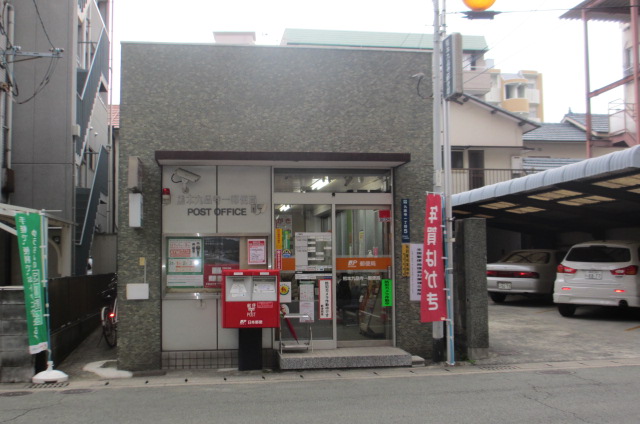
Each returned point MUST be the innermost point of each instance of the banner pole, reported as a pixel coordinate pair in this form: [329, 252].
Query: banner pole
[49, 375]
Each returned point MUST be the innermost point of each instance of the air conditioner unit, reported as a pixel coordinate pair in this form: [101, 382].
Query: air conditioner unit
[516, 162]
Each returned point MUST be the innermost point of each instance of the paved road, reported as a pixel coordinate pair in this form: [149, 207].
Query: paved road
[587, 392]
[543, 368]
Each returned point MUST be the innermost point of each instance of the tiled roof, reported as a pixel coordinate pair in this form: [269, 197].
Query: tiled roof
[389, 40]
[542, 164]
[555, 132]
[114, 119]
[599, 123]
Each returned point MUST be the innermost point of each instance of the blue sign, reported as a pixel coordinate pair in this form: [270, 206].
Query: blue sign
[406, 228]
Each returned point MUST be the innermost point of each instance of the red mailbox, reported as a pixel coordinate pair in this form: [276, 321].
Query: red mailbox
[251, 298]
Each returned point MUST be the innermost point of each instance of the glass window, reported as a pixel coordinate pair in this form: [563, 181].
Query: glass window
[457, 159]
[524, 257]
[194, 264]
[332, 181]
[599, 253]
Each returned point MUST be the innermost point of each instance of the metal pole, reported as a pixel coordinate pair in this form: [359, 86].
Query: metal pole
[636, 70]
[448, 236]
[437, 327]
[587, 79]
[442, 180]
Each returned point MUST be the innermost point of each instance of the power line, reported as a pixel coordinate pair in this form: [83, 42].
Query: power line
[42, 24]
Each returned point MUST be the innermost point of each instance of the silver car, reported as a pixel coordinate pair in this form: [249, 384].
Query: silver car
[523, 272]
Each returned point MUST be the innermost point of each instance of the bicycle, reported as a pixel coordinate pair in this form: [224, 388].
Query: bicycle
[109, 313]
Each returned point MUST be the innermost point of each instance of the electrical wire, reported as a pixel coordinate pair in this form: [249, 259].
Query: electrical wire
[539, 9]
[42, 24]
[45, 80]
[507, 36]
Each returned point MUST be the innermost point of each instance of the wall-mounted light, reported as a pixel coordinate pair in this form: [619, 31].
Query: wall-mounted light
[284, 208]
[166, 196]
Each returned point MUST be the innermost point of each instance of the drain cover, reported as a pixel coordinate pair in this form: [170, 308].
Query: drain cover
[47, 385]
[555, 372]
[499, 367]
[75, 391]
[11, 394]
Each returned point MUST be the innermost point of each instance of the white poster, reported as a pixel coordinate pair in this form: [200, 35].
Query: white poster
[313, 251]
[307, 289]
[257, 251]
[178, 280]
[306, 308]
[415, 267]
[324, 300]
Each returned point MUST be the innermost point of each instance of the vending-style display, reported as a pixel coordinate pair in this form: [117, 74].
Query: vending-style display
[250, 299]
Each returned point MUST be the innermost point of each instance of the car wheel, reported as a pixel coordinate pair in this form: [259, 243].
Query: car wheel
[566, 310]
[497, 297]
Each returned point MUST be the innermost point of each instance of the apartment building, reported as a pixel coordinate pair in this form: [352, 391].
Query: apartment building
[56, 138]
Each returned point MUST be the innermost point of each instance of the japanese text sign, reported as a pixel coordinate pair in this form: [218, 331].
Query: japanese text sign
[432, 299]
[29, 230]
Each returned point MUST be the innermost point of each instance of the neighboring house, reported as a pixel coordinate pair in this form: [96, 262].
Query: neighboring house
[57, 137]
[484, 139]
[624, 119]
[564, 142]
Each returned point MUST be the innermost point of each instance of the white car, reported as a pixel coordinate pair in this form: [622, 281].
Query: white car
[527, 271]
[601, 273]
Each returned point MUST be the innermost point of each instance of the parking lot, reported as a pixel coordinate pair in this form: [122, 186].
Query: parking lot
[523, 330]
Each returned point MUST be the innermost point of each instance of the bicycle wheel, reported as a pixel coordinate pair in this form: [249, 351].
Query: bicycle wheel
[110, 332]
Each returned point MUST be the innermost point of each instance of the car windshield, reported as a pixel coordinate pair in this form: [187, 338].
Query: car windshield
[523, 257]
[599, 253]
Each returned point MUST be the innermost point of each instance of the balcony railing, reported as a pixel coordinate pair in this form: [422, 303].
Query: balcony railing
[621, 117]
[469, 178]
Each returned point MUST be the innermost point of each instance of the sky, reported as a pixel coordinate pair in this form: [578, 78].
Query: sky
[527, 35]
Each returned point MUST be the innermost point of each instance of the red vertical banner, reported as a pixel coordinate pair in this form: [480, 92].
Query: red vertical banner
[433, 306]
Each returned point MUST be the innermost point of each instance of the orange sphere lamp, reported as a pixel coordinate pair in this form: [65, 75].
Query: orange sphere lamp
[479, 5]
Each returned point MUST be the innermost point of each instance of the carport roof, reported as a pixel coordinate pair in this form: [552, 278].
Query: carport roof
[591, 195]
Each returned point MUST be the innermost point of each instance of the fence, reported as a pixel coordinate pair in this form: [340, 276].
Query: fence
[75, 304]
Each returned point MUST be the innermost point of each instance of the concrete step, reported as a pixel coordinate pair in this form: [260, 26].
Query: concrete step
[361, 357]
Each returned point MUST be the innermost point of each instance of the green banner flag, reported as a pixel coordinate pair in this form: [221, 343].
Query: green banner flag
[30, 237]
[387, 293]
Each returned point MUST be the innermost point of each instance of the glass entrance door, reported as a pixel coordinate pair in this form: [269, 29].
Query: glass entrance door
[304, 256]
[363, 263]
[333, 247]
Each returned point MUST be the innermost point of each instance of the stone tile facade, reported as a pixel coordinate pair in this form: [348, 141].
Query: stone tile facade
[257, 98]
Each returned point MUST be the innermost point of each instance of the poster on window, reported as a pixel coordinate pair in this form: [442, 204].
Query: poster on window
[184, 262]
[432, 298]
[307, 292]
[257, 251]
[313, 251]
[324, 299]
